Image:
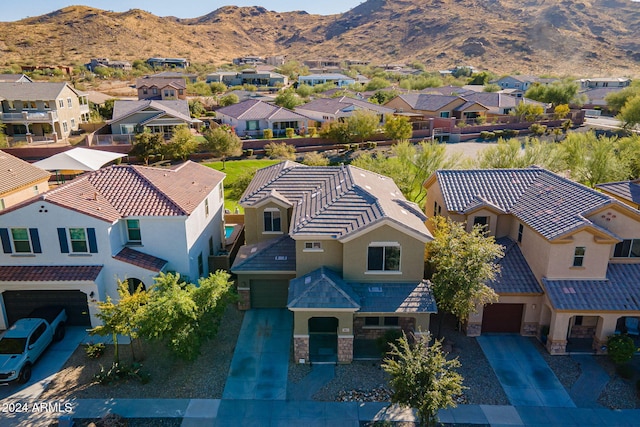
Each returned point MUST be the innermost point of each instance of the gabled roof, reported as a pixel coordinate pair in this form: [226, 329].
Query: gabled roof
[627, 190]
[178, 108]
[254, 109]
[142, 260]
[274, 255]
[322, 288]
[122, 191]
[427, 102]
[394, 297]
[177, 83]
[618, 292]
[16, 173]
[515, 275]
[50, 273]
[492, 99]
[325, 76]
[336, 105]
[34, 91]
[335, 201]
[546, 202]
[14, 78]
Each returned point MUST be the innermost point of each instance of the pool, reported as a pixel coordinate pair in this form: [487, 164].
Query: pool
[228, 230]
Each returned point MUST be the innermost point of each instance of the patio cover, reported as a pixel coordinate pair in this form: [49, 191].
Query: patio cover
[78, 159]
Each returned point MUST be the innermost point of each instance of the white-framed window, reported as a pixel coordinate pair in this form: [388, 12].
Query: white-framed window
[21, 240]
[154, 90]
[127, 129]
[61, 103]
[578, 256]
[69, 102]
[65, 127]
[144, 90]
[133, 231]
[383, 256]
[272, 222]
[78, 239]
[253, 125]
[73, 123]
[315, 246]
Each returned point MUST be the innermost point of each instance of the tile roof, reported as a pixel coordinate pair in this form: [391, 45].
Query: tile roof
[619, 292]
[335, 200]
[323, 76]
[16, 173]
[178, 108]
[270, 255]
[254, 109]
[445, 90]
[139, 259]
[120, 191]
[32, 91]
[627, 190]
[50, 273]
[336, 105]
[428, 102]
[178, 83]
[492, 99]
[325, 289]
[14, 78]
[515, 275]
[546, 202]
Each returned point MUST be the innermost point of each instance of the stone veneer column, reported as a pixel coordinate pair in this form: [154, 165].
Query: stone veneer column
[473, 329]
[556, 346]
[301, 348]
[530, 329]
[598, 345]
[244, 299]
[345, 348]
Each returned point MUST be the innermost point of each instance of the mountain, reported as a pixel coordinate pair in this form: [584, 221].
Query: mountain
[578, 37]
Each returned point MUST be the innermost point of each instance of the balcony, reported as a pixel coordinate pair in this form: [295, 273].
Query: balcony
[29, 117]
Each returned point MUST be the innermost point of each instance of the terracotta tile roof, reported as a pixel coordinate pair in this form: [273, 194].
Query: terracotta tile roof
[50, 273]
[177, 83]
[120, 191]
[16, 173]
[137, 258]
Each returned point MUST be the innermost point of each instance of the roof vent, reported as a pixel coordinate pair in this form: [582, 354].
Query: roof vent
[307, 280]
[281, 258]
[377, 289]
[569, 290]
[253, 250]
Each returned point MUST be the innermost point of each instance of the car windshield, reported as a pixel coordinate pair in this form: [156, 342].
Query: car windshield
[12, 345]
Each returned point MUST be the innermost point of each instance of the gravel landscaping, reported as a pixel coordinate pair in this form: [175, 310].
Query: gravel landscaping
[620, 393]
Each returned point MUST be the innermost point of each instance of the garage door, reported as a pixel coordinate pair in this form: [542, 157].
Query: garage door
[269, 293]
[19, 304]
[505, 318]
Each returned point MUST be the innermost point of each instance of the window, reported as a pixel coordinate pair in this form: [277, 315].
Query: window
[372, 321]
[11, 105]
[253, 125]
[155, 90]
[65, 127]
[221, 192]
[437, 209]
[180, 92]
[35, 190]
[211, 246]
[73, 123]
[312, 246]
[126, 129]
[37, 334]
[133, 231]
[78, 237]
[629, 248]
[61, 103]
[200, 264]
[481, 220]
[169, 93]
[391, 321]
[383, 257]
[272, 220]
[21, 242]
[578, 256]
[69, 103]
[206, 207]
[144, 90]
[381, 321]
[47, 106]
[444, 114]
[520, 231]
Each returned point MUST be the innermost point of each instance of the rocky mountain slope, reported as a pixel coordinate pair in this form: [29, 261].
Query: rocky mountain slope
[578, 37]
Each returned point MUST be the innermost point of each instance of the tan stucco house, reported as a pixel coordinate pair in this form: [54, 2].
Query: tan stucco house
[20, 180]
[342, 249]
[435, 105]
[572, 253]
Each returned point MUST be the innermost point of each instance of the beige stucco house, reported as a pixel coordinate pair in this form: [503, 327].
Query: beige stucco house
[342, 249]
[434, 105]
[572, 253]
[20, 180]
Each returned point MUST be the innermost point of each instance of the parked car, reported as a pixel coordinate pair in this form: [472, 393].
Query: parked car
[25, 341]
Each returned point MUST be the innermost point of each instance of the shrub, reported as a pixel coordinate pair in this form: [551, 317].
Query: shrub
[510, 133]
[280, 151]
[620, 348]
[389, 336]
[487, 135]
[538, 129]
[481, 120]
[355, 146]
[249, 152]
[313, 131]
[119, 372]
[625, 371]
[498, 133]
[267, 134]
[94, 351]
[315, 159]
[372, 144]
[290, 132]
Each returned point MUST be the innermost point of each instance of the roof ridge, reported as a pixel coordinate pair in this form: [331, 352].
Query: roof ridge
[136, 168]
[255, 102]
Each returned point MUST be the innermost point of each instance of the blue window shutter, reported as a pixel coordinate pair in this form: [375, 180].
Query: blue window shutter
[93, 244]
[35, 240]
[6, 243]
[62, 237]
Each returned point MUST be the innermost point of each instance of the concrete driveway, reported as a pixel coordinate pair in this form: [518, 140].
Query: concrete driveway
[261, 359]
[524, 375]
[46, 367]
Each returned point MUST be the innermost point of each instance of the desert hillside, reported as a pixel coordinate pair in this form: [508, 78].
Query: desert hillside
[584, 37]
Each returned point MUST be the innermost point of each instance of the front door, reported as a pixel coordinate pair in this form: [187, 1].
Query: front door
[323, 340]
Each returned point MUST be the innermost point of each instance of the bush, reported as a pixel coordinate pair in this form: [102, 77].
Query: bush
[389, 336]
[498, 133]
[620, 348]
[280, 151]
[355, 146]
[372, 144]
[119, 372]
[486, 135]
[538, 129]
[625, 371]
[314, 158]
[290, 132]
[313, 131]
[267, 134]
[94, 351]
[511, 133]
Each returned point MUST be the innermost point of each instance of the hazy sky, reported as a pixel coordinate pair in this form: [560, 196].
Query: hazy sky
[15, 10]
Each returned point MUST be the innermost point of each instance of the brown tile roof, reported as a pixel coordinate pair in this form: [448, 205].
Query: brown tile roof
[48, 273]
[16, 173]
[120, 191]
[137, 258]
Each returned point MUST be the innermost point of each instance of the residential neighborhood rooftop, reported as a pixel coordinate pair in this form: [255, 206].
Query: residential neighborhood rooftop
[16, 173]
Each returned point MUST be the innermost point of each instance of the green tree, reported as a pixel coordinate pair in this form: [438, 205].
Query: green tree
[242, 181]
[527, 112]
[228, 99]
[287, 99]
[218, 88]
[223, 142]
[280, 150]
[362, 124]
[398, 128]
[293, 69]
[304, 90]
[377, 83]
[422, 377]
[196, 108]
[383, 96]
[462, 263]
[482, 78]
[630, 113]
[181, 145]
[491, 88]
[620, 348]
[147, 145]
[561, 111]
[199, 89]
[3, 136]
[106, 109]
[617, 100]
[314, 158]
[556, 93]
[335, 131]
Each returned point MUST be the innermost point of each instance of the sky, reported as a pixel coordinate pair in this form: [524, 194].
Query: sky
[15, 10]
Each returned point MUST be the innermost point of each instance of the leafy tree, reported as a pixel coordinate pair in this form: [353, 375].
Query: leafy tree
[304, 90]
[335, 131]
[620, 348]
[362, 124]
[314, 158]
[199, 89]
[398, 127]
[561, 111]
[242, 181]
[3, 136]
[556, 93]
[218, 87]
[491, 88]
[482, 78]
[106, 109]
[287, 99]
[182, 144]
[462, 263]
[462, 72]
[377, 83]
[422, 377]
[280, 150]
[383, 96]
[223, 142]
[507, 154]
[527, 112]
[196, 107]
[147, 145]
[630, 113]
[228, 99]
[293, 69]
[420, 82]
[617, 100]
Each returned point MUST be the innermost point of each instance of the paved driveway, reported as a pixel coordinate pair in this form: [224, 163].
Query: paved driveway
[524, 375]
[261, 359]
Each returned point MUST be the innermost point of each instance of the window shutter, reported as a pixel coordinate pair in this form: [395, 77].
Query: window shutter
[35, 240]
[6, 243]
[62, 237]
[93, 244]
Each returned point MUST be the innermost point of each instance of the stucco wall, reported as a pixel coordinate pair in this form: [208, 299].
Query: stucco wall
[254, 223]
[595, 261]
[14, 197]
[330, 255]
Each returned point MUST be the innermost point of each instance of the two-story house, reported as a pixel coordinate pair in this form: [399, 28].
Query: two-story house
[571, 263]
[248, 77]
[71, 245]
[20, 180]
[39, 109]
[342, 249]
[161, 88]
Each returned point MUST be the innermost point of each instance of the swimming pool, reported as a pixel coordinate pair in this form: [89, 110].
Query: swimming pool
[228, 230]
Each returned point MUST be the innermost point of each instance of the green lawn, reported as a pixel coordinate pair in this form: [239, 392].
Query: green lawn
[233, 169]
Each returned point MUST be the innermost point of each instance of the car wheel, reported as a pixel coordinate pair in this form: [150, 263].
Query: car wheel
[25, 374]
[59, 333]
